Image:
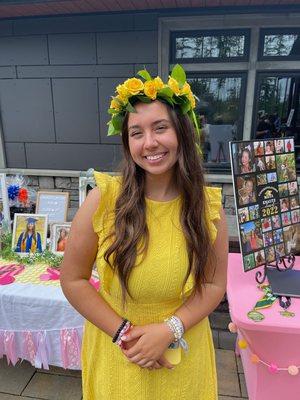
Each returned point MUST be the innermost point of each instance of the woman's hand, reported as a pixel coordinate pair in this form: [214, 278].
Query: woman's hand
[147, 344]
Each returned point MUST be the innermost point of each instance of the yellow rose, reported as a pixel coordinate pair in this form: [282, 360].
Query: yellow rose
[186, 89]
[192, 100]
[174, 85]
[158, 83]
[150, 89]
[115, 104]
[123, 93]
[134, 86]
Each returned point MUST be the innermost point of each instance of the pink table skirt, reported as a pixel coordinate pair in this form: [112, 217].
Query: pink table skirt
[275, 340]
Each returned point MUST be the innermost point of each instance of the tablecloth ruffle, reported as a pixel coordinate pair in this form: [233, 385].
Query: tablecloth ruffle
[34, 346]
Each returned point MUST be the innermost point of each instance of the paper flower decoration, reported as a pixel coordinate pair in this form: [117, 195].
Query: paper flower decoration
[13, 191]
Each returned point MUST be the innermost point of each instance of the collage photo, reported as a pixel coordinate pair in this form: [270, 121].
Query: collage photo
[267, 199]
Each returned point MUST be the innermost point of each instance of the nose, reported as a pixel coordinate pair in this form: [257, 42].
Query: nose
[150, 140]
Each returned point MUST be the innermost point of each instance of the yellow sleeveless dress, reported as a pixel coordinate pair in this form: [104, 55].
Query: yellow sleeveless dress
[156, 286]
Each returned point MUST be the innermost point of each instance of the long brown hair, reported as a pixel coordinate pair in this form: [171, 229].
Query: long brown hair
[130, 236]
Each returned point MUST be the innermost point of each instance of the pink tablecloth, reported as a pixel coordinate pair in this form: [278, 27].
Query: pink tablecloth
[275, 340]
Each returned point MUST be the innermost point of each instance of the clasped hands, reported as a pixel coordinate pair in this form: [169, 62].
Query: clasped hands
[145, 345]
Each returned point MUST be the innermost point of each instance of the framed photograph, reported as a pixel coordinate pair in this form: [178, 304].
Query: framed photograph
[54, 204]
[266, 198]
[4, 206]
[59, 237]
[85, 185]
[29, 233]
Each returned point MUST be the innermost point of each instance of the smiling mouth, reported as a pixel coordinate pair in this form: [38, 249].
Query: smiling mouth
[155, 157]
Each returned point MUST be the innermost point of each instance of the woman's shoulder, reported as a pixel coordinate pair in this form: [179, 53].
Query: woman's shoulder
[108, 184]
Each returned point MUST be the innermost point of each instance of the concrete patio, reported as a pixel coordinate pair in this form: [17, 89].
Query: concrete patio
[24, 382]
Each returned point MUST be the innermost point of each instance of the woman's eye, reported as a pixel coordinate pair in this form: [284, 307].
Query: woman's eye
[161, 128]
[135, 133]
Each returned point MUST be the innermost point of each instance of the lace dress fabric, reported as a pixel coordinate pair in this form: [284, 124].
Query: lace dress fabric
[156, 287]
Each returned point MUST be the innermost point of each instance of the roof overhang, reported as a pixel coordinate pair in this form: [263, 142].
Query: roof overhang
[25, 8]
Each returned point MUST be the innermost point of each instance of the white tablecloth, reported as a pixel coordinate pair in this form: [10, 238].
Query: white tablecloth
[38, 324]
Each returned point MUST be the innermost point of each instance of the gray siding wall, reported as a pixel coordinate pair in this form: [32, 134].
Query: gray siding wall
[56, 78]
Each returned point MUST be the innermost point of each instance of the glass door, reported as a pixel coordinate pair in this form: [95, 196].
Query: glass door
[278, 107]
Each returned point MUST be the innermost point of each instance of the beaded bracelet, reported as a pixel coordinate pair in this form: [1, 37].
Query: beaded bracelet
[176, 326]
[125, 330]
[117, 334]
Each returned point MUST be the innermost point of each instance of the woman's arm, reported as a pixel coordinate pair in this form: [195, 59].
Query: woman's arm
[77, 267]
[199, 306]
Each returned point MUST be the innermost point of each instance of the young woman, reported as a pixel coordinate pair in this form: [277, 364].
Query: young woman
[246, 162]
[62, 240]
[29, 241]
[160, 241]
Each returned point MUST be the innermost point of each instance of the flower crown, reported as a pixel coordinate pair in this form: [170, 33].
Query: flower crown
[177, 92]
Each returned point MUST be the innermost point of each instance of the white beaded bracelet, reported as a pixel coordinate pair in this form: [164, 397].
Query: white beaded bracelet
[176, 326]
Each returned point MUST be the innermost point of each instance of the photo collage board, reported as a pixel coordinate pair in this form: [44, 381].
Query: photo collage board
[267, 199]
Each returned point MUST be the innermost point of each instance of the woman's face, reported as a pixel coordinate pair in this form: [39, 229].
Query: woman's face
[249, 186]
[245, 158]
[30, 226]
[63, 233]
[152, 138]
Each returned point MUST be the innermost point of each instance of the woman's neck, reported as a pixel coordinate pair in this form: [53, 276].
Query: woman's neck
[161, 187]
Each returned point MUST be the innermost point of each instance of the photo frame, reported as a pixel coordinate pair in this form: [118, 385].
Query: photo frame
[29, 233]
[59, 236]
[54, 204]
[85, 185]
[5, 221]
[267, 199]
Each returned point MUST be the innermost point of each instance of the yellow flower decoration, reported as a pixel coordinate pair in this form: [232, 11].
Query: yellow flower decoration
[134, 86]
[177, 93]
[115, 104]
[186, 89]
[174, 85]
[150, 89]
[192, 100]
[123, 93]
[158, 83]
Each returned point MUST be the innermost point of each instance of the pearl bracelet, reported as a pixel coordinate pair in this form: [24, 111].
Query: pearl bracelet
[176, 326]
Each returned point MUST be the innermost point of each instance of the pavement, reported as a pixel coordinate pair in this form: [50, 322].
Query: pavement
[24, 382]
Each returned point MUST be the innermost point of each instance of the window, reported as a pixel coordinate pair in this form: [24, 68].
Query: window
[280, 44]
[278, 107]
[209, 46]
[221, 101]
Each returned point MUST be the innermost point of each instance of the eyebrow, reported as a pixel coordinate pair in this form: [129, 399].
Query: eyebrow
[154, 123]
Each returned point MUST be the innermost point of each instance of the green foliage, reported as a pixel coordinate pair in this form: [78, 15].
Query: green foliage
[46, 257]
[144, 74]
[178, 73]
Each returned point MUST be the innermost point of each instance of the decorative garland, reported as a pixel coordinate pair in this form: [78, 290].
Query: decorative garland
[293, 370]
[45, 257]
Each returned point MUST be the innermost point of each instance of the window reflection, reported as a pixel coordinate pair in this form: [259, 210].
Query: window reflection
[222, 46]
[278, 108]
[281, 45]
[219, 113]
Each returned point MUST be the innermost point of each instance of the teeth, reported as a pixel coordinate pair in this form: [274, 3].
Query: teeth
[154, 157]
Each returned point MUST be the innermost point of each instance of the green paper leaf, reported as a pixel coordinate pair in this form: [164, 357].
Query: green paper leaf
[111, 129]
[178, 73]
[194, 119]
[117, 121]
[112, 111]
[166, 92]
[130, 108]
[185, 107]
[144, 99]
[145, 75]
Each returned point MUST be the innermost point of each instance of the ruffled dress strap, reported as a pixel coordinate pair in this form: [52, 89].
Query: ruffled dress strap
[109, 188]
